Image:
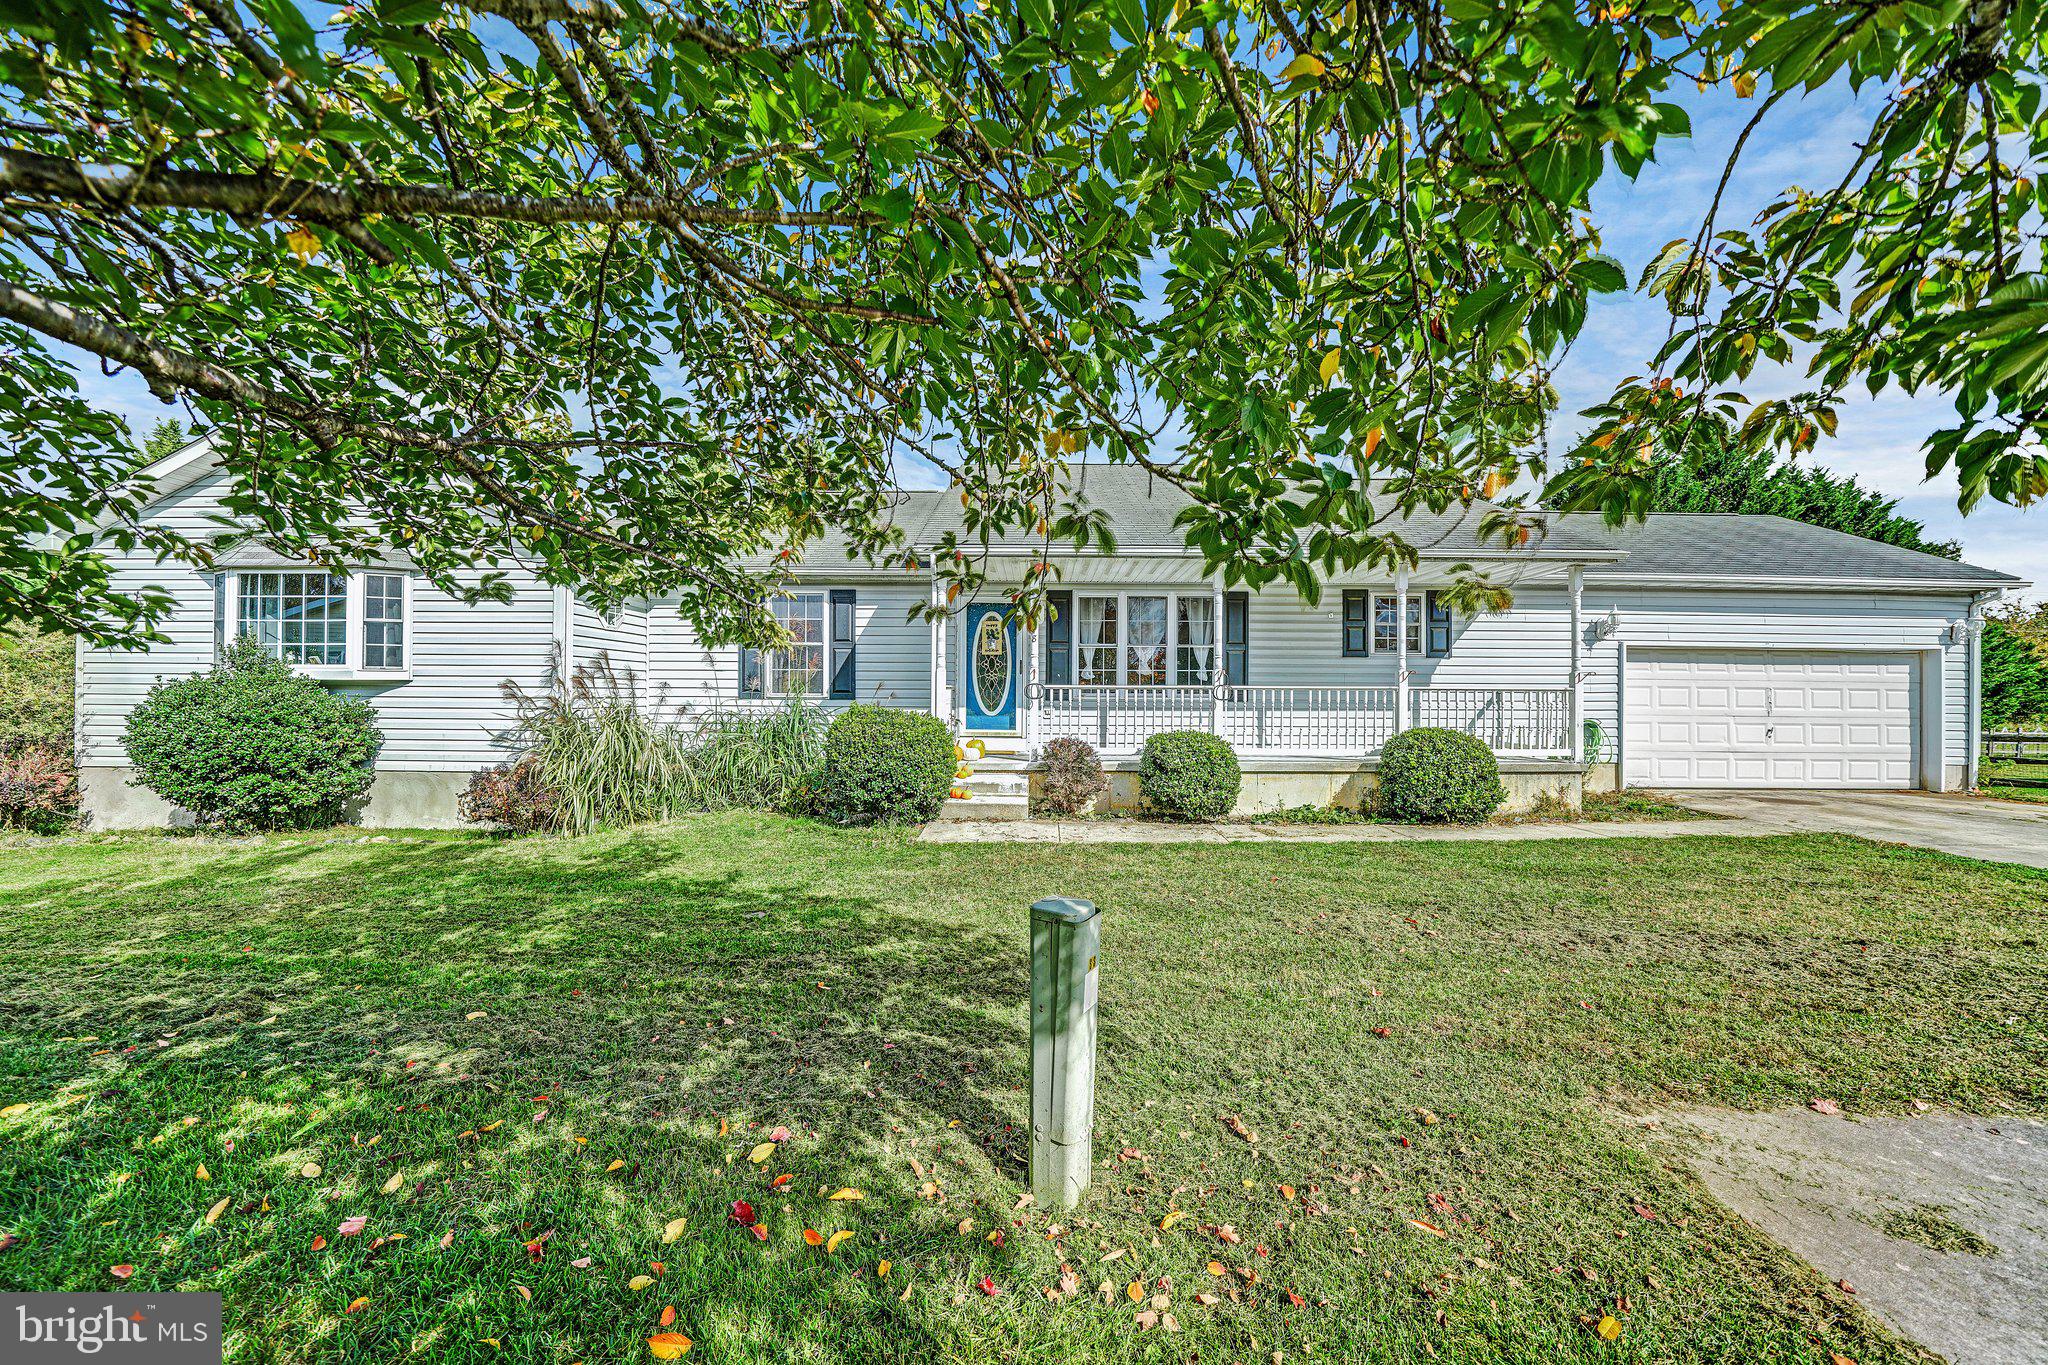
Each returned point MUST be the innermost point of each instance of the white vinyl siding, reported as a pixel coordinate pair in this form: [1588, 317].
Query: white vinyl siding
[892, 655]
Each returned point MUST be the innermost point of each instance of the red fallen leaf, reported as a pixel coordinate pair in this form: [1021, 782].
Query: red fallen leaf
[988, 1287]
[1382, 1033]
[741, 1212]
[778, 1134]
[1824, 1106]
[1642, 1212]
[319, 1244]
[1406, 1143]
[996, 1239]
[120, 1272]
[1297, 1300]
[760, 1231]
[533, 1247]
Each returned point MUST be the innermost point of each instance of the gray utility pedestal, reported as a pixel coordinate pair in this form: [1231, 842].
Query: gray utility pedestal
[1065, 935]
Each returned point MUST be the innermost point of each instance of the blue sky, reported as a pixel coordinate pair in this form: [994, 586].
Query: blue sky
[1806, 142]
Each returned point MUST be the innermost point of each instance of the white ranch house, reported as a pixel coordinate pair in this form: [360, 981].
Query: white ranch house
[1692, 651]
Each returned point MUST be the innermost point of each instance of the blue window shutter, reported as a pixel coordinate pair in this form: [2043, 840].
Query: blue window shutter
[1059, 637]
[750, 671]
[1237, 643]
[1357, 622]
[1436, 635]
[839, 663]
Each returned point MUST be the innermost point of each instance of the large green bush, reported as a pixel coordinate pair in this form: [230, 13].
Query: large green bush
[253, 745]
[884, 766]
[1189, 775]
[1439, 776]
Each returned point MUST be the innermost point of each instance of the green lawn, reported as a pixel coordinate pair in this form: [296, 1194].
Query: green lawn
[1421, 1034]
[2015, 781]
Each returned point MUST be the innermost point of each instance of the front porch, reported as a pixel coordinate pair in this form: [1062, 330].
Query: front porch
[1346, 722]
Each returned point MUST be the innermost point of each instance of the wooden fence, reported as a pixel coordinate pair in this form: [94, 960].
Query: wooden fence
[2016, 746]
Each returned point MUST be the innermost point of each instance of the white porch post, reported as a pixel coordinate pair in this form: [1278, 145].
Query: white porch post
[1400, 648]
[1576, 739]
[941, 706]
[1218, 668]
[1027, 713]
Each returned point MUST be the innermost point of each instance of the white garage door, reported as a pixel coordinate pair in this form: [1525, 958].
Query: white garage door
[1726, 718]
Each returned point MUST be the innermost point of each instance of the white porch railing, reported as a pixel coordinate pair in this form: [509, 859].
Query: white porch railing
[1339, 721]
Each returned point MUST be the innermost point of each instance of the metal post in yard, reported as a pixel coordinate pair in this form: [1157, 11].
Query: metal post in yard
[1065, 937]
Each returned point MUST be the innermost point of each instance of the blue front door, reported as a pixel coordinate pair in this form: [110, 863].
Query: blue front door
[991, 673]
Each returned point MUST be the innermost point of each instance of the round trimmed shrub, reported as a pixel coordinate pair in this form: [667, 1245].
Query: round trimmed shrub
[1438, 776]
[253, 745]
[1189, 775]
[884, 766]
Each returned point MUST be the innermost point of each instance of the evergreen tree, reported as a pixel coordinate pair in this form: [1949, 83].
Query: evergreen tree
[2014, 679]
[1716, 473]
[166, 436]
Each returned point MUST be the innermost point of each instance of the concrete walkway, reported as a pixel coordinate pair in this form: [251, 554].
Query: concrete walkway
[1823, 1187]
[1995, 831]
[1160, 832]
[1974, 827]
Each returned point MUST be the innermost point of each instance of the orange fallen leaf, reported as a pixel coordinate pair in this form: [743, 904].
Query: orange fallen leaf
[1427, 1227]
[121, 1272]
[616, 1164]
[357, 1304]
[812, 1237]
[780, 1181]
[668, 1345]
[668, 1316]
[319, 1243]
[1215, 1267]
[1135, 1290]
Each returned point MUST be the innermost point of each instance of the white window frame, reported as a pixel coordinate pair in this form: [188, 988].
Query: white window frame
[1124, 645]
[775, 662]
[351, 666]
[1418, 624]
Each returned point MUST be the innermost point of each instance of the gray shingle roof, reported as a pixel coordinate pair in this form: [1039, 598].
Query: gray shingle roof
[1743, 545]
[1141, 510]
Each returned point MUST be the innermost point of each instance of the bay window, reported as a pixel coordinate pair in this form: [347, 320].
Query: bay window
[321, 623]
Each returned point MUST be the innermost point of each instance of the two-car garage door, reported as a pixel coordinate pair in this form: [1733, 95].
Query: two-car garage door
[1734, 718]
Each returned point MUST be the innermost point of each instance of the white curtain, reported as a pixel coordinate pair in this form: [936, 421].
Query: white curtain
[1148, 641]
[1096, 644]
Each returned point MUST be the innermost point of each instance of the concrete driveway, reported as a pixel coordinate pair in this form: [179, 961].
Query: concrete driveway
[1974, 827]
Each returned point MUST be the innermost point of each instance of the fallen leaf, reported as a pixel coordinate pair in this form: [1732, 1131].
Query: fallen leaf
[778, 1134]
[668, 1316]
[524, 1292]
[120, 1272]
[1173, 1216]
[779, 1181]
[448, 1239]
[966, 1226]
[492, 1127]
[847, 1193]
[616, 1164]
[1824, 1106]
[639, 1282]
[392, 1185]
[1608, 1328]
[761, 1153]
[1215, 1268]
[987, 1286]
[581, 1263]
[760, 1231]
[832, 1242]
[213, 1214]
[477, 1014]
[881, 1270]
[1429, 1228]
[11, 1110]
[1135, 1290]
[349, 1227]
[319, 1243]
[812, 1237]
[202, 1173]
[995, 1239]
[310, 1171]
[673, 1229]
[1236, 1125]
[741, 1212]
[668, 1345]
[357, 1304]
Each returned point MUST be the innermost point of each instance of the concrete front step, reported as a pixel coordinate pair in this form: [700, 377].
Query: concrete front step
[986, 808]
